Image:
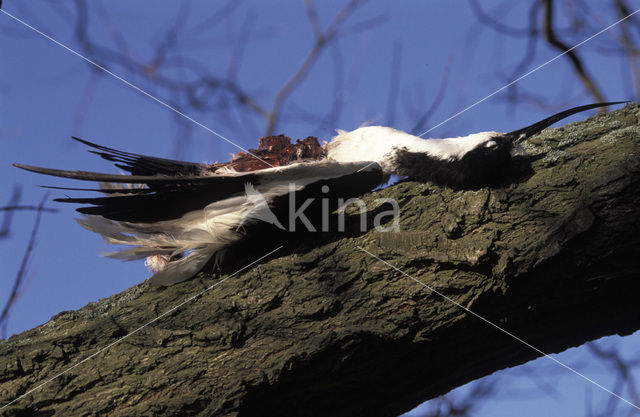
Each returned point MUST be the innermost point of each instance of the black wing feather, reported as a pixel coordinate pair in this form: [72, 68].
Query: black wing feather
[142, 164]
[155, 180]
[103, 190]
[158, 206]
[172, 197]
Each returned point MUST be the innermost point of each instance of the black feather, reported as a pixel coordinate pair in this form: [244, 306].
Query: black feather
[103, 190]
[155, 180]
[479, 167]
[159, 205]
[172, 197]
[144, 165]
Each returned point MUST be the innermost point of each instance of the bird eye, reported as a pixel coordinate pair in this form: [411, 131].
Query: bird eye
[490, 144]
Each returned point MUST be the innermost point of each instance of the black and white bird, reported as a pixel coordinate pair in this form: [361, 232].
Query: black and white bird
[182, 216]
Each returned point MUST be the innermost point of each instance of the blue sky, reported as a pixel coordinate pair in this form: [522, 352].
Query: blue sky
[48, 94]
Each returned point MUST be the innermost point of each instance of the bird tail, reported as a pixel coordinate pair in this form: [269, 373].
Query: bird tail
[173, 257]
[524, 133]
[184, 268]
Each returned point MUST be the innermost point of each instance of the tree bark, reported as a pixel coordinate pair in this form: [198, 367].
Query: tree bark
[322, 328]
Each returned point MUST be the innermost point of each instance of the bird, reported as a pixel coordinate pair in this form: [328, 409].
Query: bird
[183, 217]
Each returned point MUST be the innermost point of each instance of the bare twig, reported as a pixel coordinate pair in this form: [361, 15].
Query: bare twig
[320, 42]
[20, 277]
[8, 216]
[627, 42]
[577, 64]
[422, 120]
[235, 59]
[530, 52]
[623, 370]
[486, 19]
[85, 101]
[196, 87]
[456, 405]
[394, 84]
[331, 119]
[218, 16]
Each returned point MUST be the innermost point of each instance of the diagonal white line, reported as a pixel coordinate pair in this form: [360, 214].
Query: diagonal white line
[133, 86]
[501, 329]
[37, 387]
[367, 166]
[528, 73]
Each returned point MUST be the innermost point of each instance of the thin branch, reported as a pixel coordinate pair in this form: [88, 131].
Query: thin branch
[529, 55]
[313, 19]
[19, 280]
[363, 25]
[620, 366]
[8, 216]
[216, 18]
[170, 39]
[627, 42]
[496, 24]
[84, 103]
[238, 47]
[320, 42]
[331, 119]
[422, 120]
[553, 40]
[392, 99]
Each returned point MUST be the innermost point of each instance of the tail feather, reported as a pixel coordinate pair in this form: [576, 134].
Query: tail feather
[187, 248]
[185, 268]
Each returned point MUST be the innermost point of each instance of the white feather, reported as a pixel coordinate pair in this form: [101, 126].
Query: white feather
[379, 143]
[198, 234]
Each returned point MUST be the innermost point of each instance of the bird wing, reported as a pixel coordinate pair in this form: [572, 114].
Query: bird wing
[188, 219]
[141, 164]
[173, 196]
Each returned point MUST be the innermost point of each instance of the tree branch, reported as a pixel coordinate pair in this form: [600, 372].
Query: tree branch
[19, 281]
[321, 40]
[552, 256]
[554, 41]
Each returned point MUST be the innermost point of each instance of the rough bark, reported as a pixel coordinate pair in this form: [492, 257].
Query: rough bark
[322, 328]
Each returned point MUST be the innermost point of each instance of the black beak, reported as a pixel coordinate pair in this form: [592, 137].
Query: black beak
[519, 135]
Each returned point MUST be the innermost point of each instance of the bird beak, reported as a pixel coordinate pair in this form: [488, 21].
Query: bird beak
[517, 136]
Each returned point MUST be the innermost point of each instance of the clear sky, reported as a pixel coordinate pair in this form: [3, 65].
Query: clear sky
[386, 67]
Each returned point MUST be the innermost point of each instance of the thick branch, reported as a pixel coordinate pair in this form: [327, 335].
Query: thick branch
[325, 329]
